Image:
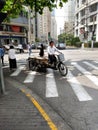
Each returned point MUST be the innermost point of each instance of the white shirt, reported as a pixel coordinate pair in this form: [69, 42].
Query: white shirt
[52, 50]
[20, 46]
[11, 54]
[29, 46]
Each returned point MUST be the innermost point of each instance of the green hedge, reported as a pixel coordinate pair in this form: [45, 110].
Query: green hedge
[78, 44]
[95, 44]
[73, 41]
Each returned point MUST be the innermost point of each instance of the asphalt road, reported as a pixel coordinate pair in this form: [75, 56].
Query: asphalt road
[74, 97]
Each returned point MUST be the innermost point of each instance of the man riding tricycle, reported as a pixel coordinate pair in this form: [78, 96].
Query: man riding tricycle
[53, 61]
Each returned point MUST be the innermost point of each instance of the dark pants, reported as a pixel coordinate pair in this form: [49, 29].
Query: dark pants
[52, 58]
[2, 59]
[12, 63]
[20, 50]
[41, 53]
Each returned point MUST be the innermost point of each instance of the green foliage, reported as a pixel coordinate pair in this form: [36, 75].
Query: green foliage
[37, 40]
[69, 39]
[75, 40]
[95, 44]
[62, 37]
[13, 7]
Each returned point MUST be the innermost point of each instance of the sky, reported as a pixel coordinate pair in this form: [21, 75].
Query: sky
[61, 15]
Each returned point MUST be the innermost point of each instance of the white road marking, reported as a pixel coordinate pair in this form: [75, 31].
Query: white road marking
[96, 62]
[51, 89]
[92, 66]
[30, 77]
[80, 92]
[18, 70]
[89, 75]
[4, 67]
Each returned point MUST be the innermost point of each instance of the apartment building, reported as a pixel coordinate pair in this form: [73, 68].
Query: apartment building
[53, 26]
[69, 28]
[44, 25]
[69, 23]
[86, 19]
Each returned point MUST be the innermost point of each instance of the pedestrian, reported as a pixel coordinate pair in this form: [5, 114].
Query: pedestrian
[12, 58]
[29, 48]
[41, 53]
[20, 48]
[2, 52]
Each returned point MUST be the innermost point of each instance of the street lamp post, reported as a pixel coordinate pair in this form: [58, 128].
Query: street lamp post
[29, 25]
[36, 22]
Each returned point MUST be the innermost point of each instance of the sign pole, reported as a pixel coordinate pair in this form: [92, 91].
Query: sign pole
[2, 87]
[2, 17]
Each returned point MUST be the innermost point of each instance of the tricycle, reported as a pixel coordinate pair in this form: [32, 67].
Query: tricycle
[42, 63]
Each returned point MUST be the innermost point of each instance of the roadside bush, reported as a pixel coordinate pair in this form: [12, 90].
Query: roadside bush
[86, 44]
[68, 43]
[95, 45]
[78, 44]
[73, 41]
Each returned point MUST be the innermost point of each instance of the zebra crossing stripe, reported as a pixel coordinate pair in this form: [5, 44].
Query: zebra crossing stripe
[96, 62]
[89, 75]
[51, 89]
[30, 77]
[92, 66]
[80, 92]
[17, 71]
[4, 67]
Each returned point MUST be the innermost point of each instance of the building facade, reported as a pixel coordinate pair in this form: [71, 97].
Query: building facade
[18, 31]
[53, 28]
[44, 25]
[86, 19]
[15, 30]
[70, 17]
[69, 26]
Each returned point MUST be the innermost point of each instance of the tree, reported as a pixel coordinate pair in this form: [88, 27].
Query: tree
[13, 7]
[62, 37]
[69, 39]
[2, 15]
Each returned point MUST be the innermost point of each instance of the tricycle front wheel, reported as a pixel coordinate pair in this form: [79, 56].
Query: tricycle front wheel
[63, 69]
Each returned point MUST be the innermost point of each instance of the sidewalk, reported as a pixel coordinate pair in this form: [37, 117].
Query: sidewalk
[17, 112]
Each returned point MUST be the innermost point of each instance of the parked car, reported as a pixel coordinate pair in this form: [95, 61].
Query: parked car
[61, 45]
[33, 46]
[39, 45]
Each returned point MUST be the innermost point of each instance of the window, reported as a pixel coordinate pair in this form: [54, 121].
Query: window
[92, 18]
[82, 12]
[93, 8]
[1, 28]
[82, 21]
[83, 1]
[77, 3]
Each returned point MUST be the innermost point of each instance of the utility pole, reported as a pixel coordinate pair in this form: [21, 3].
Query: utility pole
[86, 21]
[93, 31]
